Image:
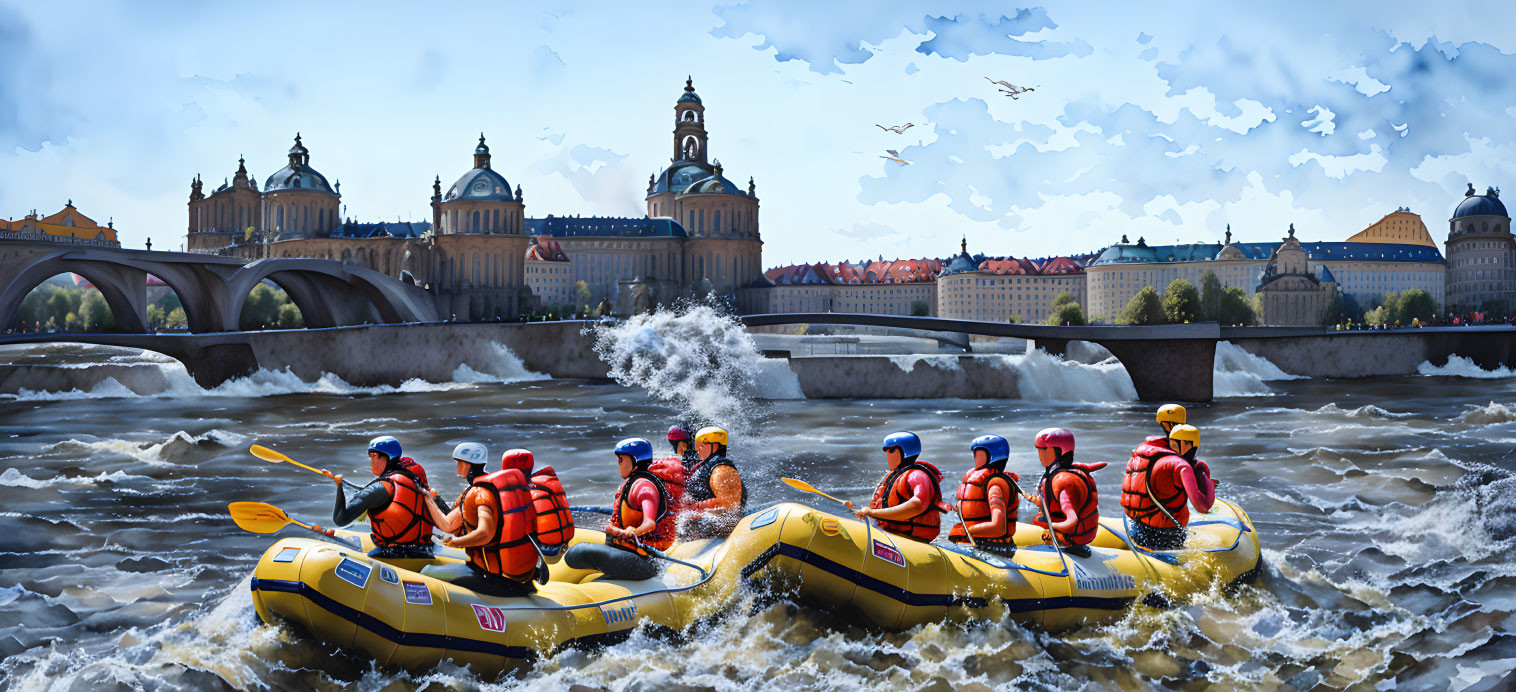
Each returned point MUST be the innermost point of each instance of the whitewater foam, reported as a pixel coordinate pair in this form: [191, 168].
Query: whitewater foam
[1489, 414]
[1240, 373]
[501, 367]
[14, 478]
[1458, 366]
[1042, 377]
[693, 357]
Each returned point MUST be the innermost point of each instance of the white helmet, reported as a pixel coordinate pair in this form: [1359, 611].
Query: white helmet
[471, 452]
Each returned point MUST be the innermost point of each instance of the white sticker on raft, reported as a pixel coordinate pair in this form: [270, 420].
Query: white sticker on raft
[388, 575]
[1085, 581]
[765, 519]
[416, 593]
[287, 555]
[353, 572]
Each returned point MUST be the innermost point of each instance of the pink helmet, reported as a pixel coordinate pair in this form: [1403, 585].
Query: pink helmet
[677, 433]
[519, 459]
[1057, 438]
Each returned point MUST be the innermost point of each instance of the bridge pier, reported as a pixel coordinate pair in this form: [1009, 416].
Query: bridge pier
[1169, 370]
[214, 364]
[1054, 347]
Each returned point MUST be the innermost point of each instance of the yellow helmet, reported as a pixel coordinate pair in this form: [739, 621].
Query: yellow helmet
[711, 434]
[1188, 433]
[1172, 413]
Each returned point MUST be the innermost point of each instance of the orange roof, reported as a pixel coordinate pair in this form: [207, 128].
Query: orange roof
[1009, 265]
[66, 223]
[1061, 265]
[545, 249]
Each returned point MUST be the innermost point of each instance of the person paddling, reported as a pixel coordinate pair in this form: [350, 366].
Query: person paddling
[1067, 492]
[1160, 484]
[714, 496]
[908, 501]
[492, 522]
[396, 503]
[642, 514]
[987, 498]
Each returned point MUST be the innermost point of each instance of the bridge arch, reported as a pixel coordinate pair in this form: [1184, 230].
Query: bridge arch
[329, 294]
[124, 288]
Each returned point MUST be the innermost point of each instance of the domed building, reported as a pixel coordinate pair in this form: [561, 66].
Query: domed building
[479, 248]
[1481, 255]
[224, 216]
[297, 200]
[723, 253]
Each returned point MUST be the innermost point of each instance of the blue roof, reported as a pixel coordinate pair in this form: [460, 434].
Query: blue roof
[383, 229]
[1326, 275]
[964, 262]
[480, 185]
[1334, 251]
[605, 227]
[680, 175]
[1487, 204]
[297, 177]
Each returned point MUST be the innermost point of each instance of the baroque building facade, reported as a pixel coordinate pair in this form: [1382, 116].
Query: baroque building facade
[1481, 255]
[700, 235]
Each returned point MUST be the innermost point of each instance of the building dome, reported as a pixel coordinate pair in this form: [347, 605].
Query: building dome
[480, 185]
[1487, 204]
[713, 184]
[689, 94]
[298, 174]
[679, 176]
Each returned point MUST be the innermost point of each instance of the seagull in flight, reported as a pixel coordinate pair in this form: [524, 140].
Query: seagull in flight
[898, 129]
[894, 156]
[1008, 88]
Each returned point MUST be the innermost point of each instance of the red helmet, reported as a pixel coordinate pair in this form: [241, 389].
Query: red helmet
[519, 459]
[677, 433]
[1057, 438]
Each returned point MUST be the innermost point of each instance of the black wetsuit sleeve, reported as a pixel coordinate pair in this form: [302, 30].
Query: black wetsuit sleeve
[370, 499]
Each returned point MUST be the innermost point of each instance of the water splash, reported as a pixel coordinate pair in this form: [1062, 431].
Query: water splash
[696, 359]
[1048, 378]
[167, 378]
[1489, 414]
[1458, 366]
[1239, 373]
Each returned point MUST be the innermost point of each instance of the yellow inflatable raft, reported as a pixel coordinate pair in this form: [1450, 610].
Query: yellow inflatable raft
[397, 616]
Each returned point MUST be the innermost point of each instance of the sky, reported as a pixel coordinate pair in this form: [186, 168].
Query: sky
[1164, 122]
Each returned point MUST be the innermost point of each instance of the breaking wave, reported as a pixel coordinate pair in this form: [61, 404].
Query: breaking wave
[1489, 414]
[168, 378]
[1458, 366]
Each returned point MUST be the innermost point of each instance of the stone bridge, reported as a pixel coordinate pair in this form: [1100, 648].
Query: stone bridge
[1172, 362]
[212, 288]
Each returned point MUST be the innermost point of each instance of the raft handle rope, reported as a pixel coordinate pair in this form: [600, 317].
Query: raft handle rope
[705, 576]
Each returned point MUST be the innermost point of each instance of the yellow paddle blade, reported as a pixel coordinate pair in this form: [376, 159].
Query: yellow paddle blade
[258, 517]
[267, 454]
[807, 487]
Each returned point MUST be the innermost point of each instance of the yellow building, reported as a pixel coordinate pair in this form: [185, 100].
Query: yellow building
[1401, 226]
[66, 226]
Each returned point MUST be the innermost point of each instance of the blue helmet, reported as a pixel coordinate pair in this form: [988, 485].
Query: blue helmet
[386, 445]
[640, 450]
[995, 446]
[909, 444]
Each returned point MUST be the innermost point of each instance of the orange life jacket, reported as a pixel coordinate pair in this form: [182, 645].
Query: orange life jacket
[404, 521]
[555, 524]
[974, 504]
[510, 552]
[1074, 479]
[624, 515]
[894, 490]
[1146, 480]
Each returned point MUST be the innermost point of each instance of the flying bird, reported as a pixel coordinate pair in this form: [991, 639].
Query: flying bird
[895, 156]
[1008, 88]
[896, 129]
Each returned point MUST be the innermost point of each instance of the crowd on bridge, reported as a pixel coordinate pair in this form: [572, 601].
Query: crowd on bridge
[512, 521]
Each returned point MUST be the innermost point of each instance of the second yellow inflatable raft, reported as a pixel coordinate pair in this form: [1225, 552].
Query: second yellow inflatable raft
[397, 616]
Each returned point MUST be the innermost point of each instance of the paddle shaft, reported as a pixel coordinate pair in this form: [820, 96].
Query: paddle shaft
[267, 454]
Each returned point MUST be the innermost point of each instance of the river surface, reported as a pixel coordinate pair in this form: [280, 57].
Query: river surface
[1384, 507]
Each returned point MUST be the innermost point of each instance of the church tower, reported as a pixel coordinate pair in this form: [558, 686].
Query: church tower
[689, 126]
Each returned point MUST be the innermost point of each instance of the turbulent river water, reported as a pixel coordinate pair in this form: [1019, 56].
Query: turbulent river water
[1385, 508]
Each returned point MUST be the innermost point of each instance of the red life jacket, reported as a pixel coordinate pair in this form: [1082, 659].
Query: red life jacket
[671, 471]
[555, 524]
[1074, 479]
[894, 490]
[510, 552]
[404, 521]
[974, 504]
[1147, 479]
[624, 515]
